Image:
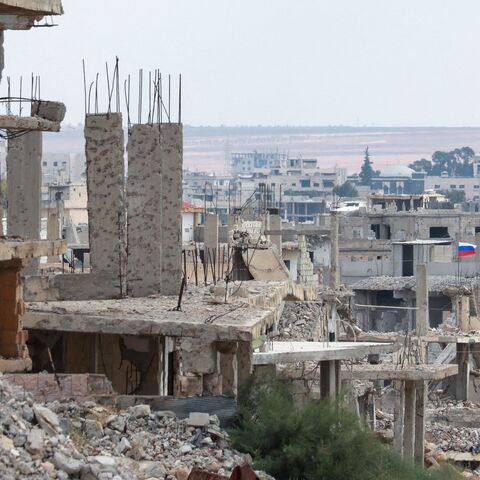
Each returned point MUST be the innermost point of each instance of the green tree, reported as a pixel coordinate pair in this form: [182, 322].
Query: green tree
[318, 441]
[422, 165]
[345, 190]
[454, 196]
[457, 163]
[366, 172]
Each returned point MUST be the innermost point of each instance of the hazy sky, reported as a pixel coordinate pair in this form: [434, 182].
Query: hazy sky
[272, 62]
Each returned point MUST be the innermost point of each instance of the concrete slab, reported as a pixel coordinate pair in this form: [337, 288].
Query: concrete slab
[397, 372]
[265, 264]
[45, 7]
[11, 248]
[291, 352]
[14, 122]
[199, 317]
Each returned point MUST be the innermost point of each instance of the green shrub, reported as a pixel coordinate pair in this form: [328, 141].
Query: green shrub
[319, 441]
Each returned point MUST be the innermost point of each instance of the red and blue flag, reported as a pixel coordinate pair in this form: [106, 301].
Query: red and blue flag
[465, 249]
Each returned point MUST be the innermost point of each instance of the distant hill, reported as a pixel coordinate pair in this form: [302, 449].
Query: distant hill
[206, 148]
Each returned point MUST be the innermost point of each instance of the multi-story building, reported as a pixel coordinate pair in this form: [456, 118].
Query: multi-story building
[63, 168]
[297, 186]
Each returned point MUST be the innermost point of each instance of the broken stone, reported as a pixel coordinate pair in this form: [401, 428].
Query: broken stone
[93, 429]
[117, 422]
[197, 419]
[53, 111]
[138, 411]
[67, 464]
[186, 449]
[6, 443]
[153, 469]
[47, 419]
[35, 441]
[181, 473]
[123, 446]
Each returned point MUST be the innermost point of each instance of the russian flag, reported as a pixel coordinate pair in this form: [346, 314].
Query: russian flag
[465, 249]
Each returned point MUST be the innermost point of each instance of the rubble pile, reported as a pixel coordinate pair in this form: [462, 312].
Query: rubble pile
[65, 440]
[457, 439]
[300, 321]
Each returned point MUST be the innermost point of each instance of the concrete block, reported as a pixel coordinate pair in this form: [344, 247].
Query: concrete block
[53, 111]
[197, 357]
[197, 419]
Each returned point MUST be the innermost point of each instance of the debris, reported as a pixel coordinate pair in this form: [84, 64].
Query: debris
[64, 439]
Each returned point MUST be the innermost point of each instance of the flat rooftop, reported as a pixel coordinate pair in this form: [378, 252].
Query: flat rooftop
[436, 283]
[292, 352]
[202, 315]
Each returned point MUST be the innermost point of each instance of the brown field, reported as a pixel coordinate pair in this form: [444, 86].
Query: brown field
[206, 148]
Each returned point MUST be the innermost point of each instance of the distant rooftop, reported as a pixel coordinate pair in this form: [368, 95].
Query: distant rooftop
[396, 171]
[436, 283]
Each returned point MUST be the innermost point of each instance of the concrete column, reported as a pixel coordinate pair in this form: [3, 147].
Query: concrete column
[228, 371]
[422, 322]
[462, 380]
[398, 416]
[334, 252]
[228, 366]
[171, 152]
[24, 181]
[12, 337]
[210, 234]
[276, 225]
[105, 186]
[328, 381]
[244, 362]
[462, 311]
[420, 403]
[409, 420]
[144, 206]
[53, 231]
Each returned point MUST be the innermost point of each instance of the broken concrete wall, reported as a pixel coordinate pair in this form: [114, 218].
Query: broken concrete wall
[145, 212]
[24, 179]
[305, 265]
[84, 286]
[105, 185]
[171, 151]
[265, 264]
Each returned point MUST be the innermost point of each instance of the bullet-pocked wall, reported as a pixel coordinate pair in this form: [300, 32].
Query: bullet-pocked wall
[24, 176]
[104, 151]
[154, 199]
[171, 148]
[144, 200]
